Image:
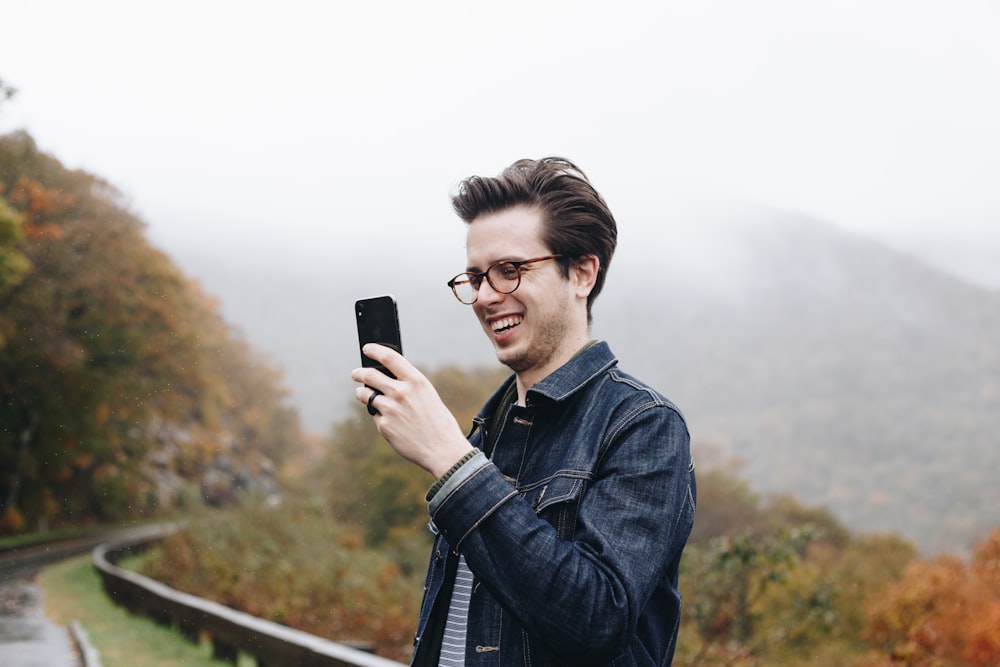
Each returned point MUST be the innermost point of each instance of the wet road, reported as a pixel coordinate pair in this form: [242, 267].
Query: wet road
[27, 637]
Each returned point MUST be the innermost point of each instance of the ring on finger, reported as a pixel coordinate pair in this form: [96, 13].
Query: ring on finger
[372, 410]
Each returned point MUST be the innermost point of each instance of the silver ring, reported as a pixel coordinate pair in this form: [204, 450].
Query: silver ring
[371, 408]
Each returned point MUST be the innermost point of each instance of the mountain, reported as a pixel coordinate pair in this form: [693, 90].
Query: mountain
[834, 368]
[839, 371]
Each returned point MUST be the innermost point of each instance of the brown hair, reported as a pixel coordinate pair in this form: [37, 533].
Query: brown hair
[576, 219]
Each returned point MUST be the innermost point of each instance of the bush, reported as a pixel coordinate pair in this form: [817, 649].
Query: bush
[290, 563]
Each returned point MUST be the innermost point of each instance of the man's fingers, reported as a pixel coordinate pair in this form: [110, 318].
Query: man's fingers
[388, 357]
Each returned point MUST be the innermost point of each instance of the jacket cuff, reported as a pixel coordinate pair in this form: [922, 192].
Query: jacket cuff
[468, 498]
[461, 471]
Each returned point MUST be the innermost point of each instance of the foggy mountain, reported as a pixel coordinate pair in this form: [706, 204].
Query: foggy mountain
[835, 369]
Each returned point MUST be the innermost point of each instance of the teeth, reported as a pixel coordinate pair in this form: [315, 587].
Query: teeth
[505, 323]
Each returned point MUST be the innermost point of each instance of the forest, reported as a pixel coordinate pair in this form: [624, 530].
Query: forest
[122, 390]
[124, 395]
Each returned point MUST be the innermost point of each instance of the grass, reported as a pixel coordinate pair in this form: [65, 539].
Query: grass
[72, 592]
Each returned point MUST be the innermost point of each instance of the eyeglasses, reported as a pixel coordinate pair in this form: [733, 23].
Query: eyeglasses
[504, 277]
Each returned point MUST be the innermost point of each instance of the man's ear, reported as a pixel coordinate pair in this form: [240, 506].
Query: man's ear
[584, 274]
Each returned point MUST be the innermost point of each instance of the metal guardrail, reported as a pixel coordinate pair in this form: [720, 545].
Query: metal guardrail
[231, 632]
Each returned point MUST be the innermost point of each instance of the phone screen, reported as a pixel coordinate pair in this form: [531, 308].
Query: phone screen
[378, 322]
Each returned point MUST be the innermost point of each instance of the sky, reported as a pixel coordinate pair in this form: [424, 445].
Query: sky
[307, 136]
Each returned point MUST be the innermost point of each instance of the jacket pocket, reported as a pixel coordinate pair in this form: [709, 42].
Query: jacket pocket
[557, 499]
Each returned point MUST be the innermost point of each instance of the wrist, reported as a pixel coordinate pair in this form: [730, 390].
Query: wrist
[444, 462]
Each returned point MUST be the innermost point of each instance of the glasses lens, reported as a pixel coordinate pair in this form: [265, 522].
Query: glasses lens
[504, 277]
[462, 286]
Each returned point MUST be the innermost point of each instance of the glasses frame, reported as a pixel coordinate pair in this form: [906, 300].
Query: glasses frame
[478, 277]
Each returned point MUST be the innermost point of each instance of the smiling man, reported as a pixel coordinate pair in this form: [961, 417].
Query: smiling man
[561, 517]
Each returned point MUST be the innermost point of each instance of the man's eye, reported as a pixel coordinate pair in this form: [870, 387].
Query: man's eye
[508, 271]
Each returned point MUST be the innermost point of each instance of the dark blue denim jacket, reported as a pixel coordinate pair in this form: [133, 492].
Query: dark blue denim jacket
[573, 528]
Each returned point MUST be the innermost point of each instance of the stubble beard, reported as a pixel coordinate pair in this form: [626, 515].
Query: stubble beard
[548, 340]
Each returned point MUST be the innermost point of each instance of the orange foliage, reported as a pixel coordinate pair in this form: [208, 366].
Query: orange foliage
[39, 203]
[11, 521]
[942, 613]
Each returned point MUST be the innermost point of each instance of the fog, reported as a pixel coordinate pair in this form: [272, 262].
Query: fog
[297, 136]
[273, 146]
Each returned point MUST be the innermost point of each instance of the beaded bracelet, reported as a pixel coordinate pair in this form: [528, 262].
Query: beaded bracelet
[444, 478]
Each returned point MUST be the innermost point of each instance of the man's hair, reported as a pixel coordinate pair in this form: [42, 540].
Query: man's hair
[576, 220]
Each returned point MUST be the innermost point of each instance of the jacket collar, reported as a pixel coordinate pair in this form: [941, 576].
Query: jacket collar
[594, 359]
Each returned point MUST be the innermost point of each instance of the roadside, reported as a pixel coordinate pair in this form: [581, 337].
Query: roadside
[72, 592]
[47, 586]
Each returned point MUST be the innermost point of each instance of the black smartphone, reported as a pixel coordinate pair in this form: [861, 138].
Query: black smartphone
[378, 322]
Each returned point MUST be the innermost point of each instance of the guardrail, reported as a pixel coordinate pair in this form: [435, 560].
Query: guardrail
[230, 632]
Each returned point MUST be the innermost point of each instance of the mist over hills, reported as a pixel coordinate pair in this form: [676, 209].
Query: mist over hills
[839, 371]
[836, 369]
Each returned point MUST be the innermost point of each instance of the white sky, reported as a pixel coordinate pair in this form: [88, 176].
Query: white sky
[293, 133]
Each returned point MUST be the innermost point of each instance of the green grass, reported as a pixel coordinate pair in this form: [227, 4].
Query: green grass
[73, 592]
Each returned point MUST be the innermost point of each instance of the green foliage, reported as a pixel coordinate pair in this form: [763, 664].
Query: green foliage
[118, 377]
[13, 263]
[769, 581]
[73, 592]
[288, 561]
[371, 487]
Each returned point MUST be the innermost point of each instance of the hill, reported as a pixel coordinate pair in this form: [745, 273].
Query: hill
[836, 369]
[122, 390]
[841, 372]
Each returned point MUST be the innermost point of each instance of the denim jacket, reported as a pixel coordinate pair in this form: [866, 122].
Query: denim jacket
[573, 528]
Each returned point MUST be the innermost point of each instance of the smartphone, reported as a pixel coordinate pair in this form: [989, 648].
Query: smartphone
[378, 322]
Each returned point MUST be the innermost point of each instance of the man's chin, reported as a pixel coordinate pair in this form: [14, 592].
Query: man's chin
[511, 360]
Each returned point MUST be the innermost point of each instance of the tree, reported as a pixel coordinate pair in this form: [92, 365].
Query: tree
[943, 613]
[13, 263]
[119, 378]
[770, 581]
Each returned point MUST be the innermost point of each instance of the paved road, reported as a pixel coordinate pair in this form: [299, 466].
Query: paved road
[27, 637]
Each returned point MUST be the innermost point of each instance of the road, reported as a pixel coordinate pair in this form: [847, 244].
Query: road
[27, 637]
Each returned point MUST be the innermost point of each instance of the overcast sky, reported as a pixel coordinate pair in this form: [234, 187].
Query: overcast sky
[309, 132]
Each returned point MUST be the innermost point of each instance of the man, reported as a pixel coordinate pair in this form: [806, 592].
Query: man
[561, 518]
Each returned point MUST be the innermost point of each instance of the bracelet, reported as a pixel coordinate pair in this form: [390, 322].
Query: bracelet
[431, 492]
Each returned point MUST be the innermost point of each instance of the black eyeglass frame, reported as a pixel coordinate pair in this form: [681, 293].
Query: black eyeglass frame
[476, 279]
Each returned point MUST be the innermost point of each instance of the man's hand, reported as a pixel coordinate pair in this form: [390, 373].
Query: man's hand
[411, 415]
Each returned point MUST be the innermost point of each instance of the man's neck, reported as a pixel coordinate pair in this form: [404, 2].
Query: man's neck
[529, 379]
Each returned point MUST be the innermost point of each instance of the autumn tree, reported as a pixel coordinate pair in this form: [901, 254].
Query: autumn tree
[943, 613]
[118, 373]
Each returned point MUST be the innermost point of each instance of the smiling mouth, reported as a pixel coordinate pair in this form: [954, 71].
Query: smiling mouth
[505, 324]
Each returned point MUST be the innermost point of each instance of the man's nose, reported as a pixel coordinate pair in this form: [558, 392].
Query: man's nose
[486, 292]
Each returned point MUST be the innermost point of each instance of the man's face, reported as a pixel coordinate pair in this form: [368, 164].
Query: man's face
[529, 328]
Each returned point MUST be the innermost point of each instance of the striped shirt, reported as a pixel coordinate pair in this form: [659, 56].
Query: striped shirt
[453, 644]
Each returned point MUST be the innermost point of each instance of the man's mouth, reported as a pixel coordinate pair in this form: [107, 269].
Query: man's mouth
[506, 323]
